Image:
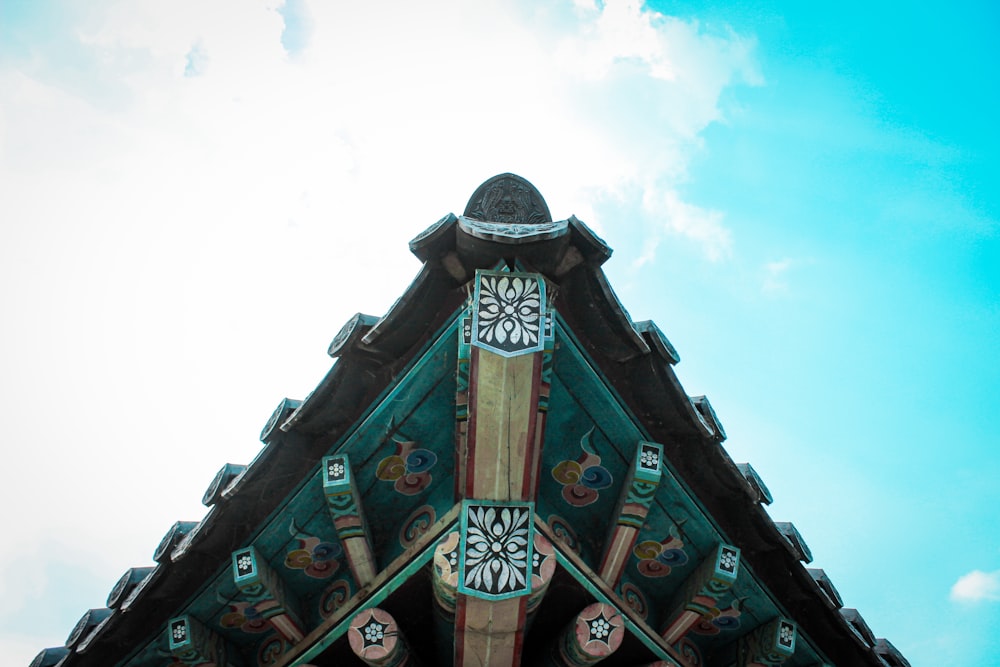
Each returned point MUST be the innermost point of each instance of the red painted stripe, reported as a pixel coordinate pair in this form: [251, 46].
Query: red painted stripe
[460, 630]
[533, 446]
[468, 465]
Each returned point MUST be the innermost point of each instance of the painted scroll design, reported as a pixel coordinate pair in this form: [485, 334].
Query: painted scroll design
[314, 557]
[719, 620]
[690, 655]
[657, 559]
[634, 598]
[583, 478]
[249, 617]
[270, 650]
[334, 597]
[408, 469]
[564, 532]
[418, 523]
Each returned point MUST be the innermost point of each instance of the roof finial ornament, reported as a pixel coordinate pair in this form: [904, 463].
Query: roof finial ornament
[508, 198]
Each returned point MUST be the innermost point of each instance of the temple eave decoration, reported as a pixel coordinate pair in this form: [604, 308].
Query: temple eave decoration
[501, 470]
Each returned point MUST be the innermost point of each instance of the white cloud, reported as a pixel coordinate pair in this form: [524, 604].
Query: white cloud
[774, 276]
[702, 226]
[176, 251]
[977, 586]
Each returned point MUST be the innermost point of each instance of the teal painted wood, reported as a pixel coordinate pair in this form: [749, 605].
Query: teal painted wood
[677, 533]
[644, 635]
[409, 430]
[191, 643]
[769, 644]
[375, 597]
[261, 586]
[299, 540]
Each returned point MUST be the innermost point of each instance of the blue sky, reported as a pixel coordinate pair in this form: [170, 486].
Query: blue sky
[193, 199]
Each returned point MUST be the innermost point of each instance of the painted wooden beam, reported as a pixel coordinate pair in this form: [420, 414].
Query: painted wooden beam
[771, 643]
[502, 456]
[191, 643]
[501, 453]
[462, 402]
[495, 559]
[489, 633]
[375, 637]
[592, 635]
[701, 591]
[445, 581]
[260, 585]
[444, 584]
[633, 506]
[445, 578]
[543, 566]
[344, 504]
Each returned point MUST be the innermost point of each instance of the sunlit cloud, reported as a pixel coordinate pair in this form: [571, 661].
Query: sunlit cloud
[703, 227]
[977, 586]
[197, 195]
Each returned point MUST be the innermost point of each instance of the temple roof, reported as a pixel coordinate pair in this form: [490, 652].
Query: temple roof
[387, 429]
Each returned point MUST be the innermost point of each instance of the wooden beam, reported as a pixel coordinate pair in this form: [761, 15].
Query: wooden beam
[543, 566]
[260, 585]
[416, 556]
[375, 637]
[191, 643]
[509, 334]
[701, 591]
[489, 633]
[344, 504]
[462, 377]
[633, 506]
[768, 644]
[592, 635]
[495, 559]
[501, 461]
[444, 581]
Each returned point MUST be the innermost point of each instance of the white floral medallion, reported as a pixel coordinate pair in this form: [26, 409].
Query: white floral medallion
[509, 313]
[495, 554]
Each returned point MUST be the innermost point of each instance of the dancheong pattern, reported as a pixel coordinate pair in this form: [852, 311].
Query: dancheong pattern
[508, 317]
[408, 469]
[496, 553]
[583, 478]
[313, 556]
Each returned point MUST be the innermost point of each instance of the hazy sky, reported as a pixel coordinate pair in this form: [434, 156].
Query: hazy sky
[194, 196]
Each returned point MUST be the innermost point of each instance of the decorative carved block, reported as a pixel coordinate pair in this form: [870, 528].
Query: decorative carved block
[191, 643]
[509, 312]
[496, 549]
[769, 644]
